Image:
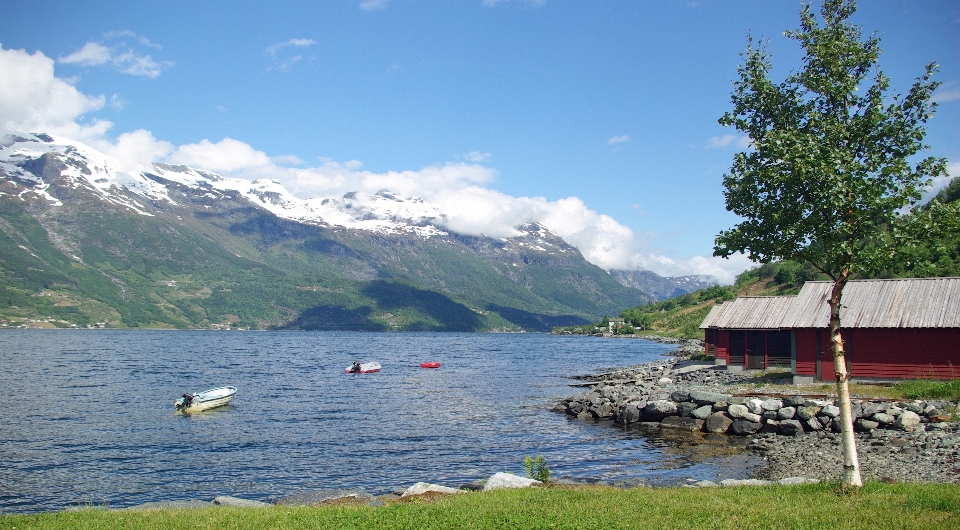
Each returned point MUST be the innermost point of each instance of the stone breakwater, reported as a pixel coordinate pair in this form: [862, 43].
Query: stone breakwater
[797, 434]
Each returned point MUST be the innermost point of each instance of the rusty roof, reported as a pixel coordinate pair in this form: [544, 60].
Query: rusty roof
[892, 303]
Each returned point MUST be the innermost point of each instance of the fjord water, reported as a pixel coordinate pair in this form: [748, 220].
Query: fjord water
[88, 417]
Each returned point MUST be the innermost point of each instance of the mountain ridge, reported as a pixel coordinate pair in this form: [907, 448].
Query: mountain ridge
[174, 246]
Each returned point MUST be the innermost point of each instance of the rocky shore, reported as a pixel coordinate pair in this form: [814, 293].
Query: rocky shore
[795, 431]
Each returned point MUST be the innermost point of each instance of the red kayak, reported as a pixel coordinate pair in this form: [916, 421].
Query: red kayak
[430, 365]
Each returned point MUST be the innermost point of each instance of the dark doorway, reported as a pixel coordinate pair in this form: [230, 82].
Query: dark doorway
[738, 347]
[778, 349]
[756, 349]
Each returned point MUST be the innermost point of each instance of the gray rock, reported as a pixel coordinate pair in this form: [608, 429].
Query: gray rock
[791, 427]
[310, 498]
[769, 415]
[657, 410]
[771, 426]
[795, 481]
[744, 482]
[720, 406]
[686, 408]
[806, 412]
[863, 425]
[883, 418]
[869, 409]
[507, 481]
[908, 421]
[737, 411]
[704, 484]
[754, 405]
[708, 398]
[795, 401]
[701, 413]
[682, 423]
[717, 422]
[786, 413]
[771, 404]
[830, 410]
[423, 487]
[749, 416]
[170, 505]
[631, 414]
[812, 424]
[603, 410]
[227, 500]
[472, 486]
[680, 396]
[744, 427]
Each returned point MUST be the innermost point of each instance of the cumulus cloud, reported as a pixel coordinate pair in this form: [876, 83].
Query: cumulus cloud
[618, 139]
[32, 99]
[120, 54]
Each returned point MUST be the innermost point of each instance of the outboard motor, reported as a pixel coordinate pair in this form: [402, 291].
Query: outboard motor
[187, 400]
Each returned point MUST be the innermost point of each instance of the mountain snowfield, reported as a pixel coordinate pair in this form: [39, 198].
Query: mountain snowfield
[382, 212]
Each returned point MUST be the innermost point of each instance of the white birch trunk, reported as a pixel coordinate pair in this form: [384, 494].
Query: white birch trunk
[848, 442]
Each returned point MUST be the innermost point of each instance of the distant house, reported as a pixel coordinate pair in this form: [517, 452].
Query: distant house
[892, 329]
[614, 324]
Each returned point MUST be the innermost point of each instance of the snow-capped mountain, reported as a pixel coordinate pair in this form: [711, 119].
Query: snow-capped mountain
[186, 247]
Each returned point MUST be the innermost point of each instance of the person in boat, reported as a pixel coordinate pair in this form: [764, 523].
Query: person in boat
[355, 369]
[187, 400]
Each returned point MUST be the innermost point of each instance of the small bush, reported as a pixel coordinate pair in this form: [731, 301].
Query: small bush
[536, 468]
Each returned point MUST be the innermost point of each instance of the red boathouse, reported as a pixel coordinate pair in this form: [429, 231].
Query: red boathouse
[892, 329]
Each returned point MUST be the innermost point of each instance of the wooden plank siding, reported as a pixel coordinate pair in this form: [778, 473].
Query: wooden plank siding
[892, 329]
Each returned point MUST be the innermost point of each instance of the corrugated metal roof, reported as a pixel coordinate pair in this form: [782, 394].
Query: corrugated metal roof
[749, 312]
[894, 303]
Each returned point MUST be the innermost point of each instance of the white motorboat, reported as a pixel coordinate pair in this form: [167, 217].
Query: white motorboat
[208, 399]
[363, 368]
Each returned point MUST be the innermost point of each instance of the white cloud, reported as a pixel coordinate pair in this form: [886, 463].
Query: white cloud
[120, 54]
[92, 54]
[949, 91]
[33, 99]
[477, 157]
[719, 142]
[283, 60]
[373, 5]
[618, 139]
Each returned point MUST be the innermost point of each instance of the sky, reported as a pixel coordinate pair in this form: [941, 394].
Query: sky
[595, 118]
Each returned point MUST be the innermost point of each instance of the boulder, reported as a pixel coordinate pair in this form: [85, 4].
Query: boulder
[226, 500]
[717, 422]
[422, 487]
[805, 412]
[791, 427]
[737, 411]
[681, 423]
[680, 396]
[831, 411]
[786, 413]
[708, 398]
[720, 406]
[795, 401]
[752, 417]
[794, 481]
[506, 481]
[744, 427]
[310, 498]
[170, 505]
[745, 482]
[771, 404]
[701, 413]
[631, 414]
[754, 405]
[883, 418]
[864, 425]
[908, 421]
[769, 415]
[771, 426]
[603, 410]
[812, 424]
[657, 410]
[869, 409]
[686, 408]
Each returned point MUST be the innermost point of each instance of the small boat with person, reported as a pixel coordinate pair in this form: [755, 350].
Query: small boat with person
[208, 399]
[363, 368]
[432, 364]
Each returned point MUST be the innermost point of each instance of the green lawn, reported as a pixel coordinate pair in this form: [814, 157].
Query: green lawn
[876, 506]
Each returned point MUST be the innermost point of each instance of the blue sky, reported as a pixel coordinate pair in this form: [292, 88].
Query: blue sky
[605, 110]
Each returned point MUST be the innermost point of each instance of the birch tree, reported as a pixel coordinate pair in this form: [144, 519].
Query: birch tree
[832, 175]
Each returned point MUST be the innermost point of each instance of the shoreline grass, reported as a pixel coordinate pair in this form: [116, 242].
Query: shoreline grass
[876, 505]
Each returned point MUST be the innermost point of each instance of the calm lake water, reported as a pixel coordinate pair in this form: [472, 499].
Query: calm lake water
[88, 417]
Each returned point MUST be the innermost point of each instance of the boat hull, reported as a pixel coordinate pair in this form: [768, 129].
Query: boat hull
[365, 368]
[430, 365]
[208, 399]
